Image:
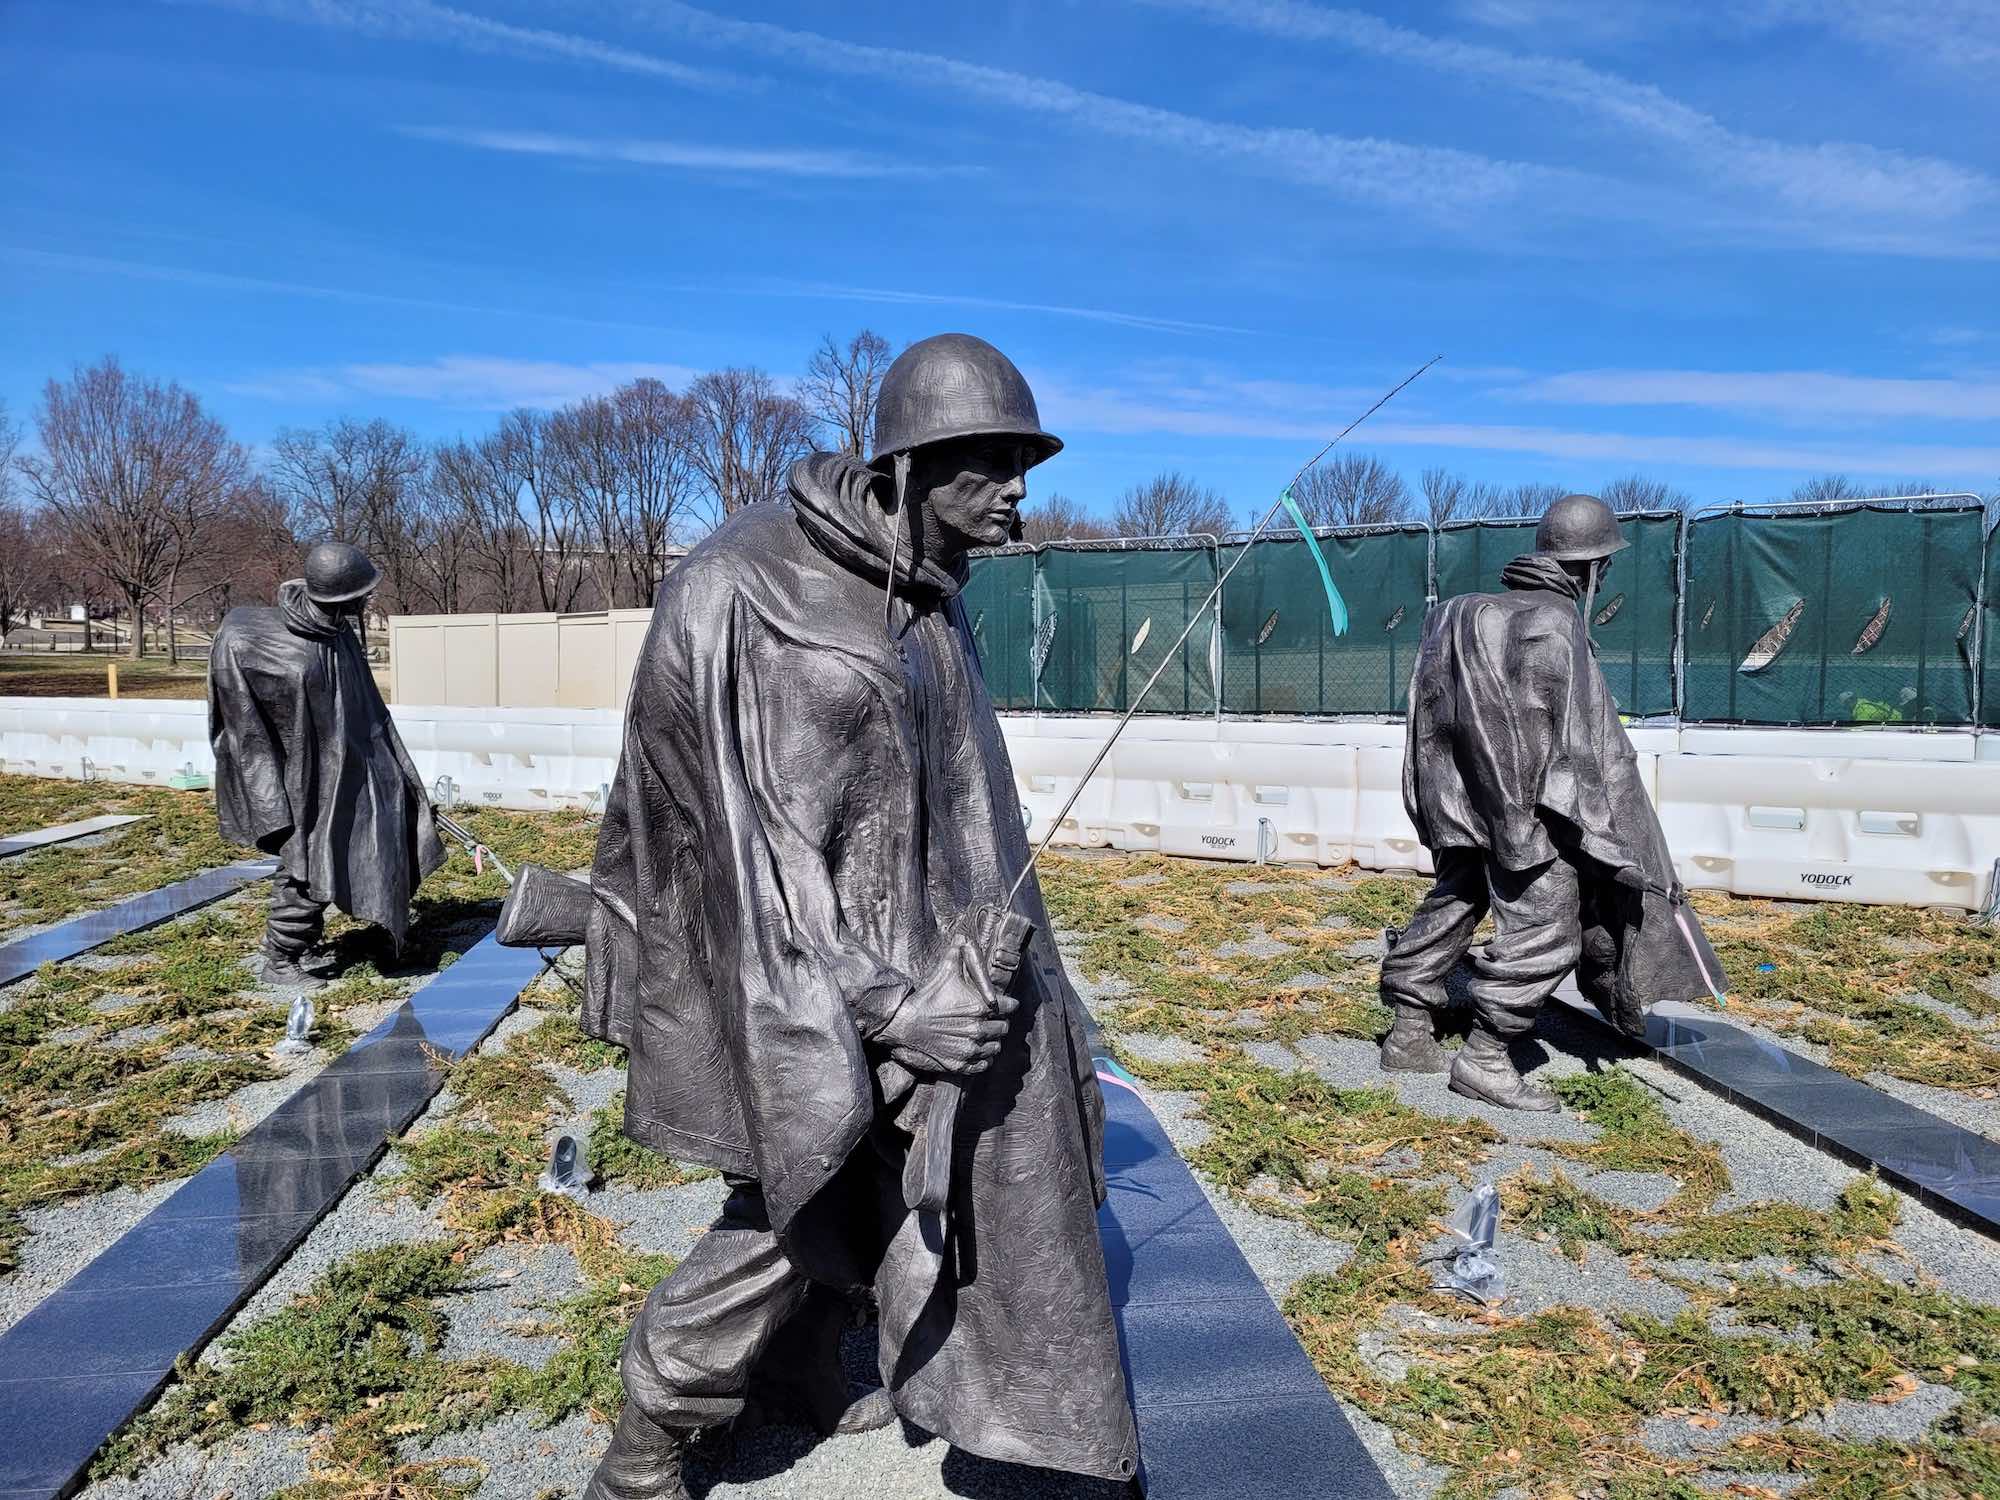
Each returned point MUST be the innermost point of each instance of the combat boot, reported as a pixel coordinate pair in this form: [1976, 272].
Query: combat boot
[282, 972]
[1412, 1045]
[1483, 1071]
[642, 1463]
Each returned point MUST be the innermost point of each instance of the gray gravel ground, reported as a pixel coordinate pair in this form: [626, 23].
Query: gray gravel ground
[524, 1460]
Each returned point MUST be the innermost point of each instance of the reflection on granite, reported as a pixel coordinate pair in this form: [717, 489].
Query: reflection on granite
[169, 1283]
[25, 955]
[1948, 1168]
[1227, 1401]
[62, 833]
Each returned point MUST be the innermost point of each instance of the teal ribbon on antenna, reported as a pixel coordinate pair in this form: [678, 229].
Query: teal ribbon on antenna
[1335, 605]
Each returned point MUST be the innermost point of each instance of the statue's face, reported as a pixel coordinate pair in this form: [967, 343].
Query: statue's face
[973, 489]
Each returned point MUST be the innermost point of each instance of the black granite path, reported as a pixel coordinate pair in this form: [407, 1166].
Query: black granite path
[62, 833]
[1228, 1403]
[23, 956]
[97, 1352]
[1944, 1166]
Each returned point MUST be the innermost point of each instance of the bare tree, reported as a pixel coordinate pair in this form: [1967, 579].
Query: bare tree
[23, 570]
[1352, 489]
[1828, 487]
[129, 470]
[656, 450]
[355, 482]
[1532, 497]
[1170, 504]
[482, 483]
[1631, 492]
[1059, 518]
[747, 437]
[580, 444]
[840, 388]
[1452, 497]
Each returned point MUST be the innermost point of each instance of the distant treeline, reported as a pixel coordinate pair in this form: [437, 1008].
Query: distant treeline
[134, 499]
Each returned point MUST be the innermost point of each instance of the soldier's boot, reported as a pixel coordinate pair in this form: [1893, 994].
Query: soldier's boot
[1412, 1045]
[642, 1463]
[283, 971]
[1484, 1071]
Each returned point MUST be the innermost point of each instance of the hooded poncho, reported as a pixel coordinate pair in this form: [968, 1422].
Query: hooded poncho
[308, 765]
[1515, 748]
[806, 805]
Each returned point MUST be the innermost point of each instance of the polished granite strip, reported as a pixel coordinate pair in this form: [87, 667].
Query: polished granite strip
[170, 1283]
[41, 838]
[1227, 1401]
[1946, 1167]
[23, 956]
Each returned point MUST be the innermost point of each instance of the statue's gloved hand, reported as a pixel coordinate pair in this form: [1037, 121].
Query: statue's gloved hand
[953, 1021]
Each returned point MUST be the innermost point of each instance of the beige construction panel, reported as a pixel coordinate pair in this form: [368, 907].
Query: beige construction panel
[469, 662]
[585, 671]
[526, 665]
[628, 627]
[416, 661]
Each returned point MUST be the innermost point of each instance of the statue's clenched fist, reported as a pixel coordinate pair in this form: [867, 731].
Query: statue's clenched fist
[953, 1022]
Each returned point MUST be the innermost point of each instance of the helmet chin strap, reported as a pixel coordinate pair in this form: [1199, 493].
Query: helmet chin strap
[897, 521]
[1590, 594]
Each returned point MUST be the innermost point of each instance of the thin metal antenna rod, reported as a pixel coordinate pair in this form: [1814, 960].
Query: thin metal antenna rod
[1194, 617]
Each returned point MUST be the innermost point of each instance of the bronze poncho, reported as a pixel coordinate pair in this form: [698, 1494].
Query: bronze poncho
[1515, 748]
[805, 805]
[308, 764]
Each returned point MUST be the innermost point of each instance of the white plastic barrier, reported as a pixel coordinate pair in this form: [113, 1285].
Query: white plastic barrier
[532, 758]
[1886, 816]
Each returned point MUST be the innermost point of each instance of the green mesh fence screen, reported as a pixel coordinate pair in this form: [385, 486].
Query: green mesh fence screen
[999, 598]
[1092, 605]
[1860, 616]
[1279, 652]
[1632, 619]
[1989, 636]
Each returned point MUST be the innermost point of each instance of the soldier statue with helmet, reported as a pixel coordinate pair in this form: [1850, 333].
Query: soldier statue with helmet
[308, 765]
[793, 926]
[1524, 786]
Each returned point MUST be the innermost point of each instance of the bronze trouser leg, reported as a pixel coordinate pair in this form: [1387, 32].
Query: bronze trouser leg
[295, 919]
[688, 1359]
[1439, 933]
[1537, 939]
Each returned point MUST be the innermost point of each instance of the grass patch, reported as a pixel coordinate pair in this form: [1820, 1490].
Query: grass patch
[616, 1157]
[1636, 1136]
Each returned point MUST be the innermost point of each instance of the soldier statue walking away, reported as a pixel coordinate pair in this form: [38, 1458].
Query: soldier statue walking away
[793, 928]
[1524, 786]
[308, 765]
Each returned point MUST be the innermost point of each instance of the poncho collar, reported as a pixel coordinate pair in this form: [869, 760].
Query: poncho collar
[1537, 570]
[303, 616]
[839, 505]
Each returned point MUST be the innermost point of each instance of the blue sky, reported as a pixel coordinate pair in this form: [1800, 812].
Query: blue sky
[1729, 246]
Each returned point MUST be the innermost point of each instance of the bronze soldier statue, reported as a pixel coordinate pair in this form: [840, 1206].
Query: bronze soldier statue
[794, 931]
[308, 764]
[1523, 784]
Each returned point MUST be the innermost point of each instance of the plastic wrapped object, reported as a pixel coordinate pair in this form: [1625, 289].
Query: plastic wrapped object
[1473, 1269]
[298, 1030]
[567, 1172]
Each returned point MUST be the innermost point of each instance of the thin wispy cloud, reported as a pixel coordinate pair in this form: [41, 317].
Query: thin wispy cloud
[423, 21]
[1944, 34]
[683, 155]
[891, 297]
[230, 281]
[1826, 177]
[468, 381]
[1433, 180]
[1798, 395]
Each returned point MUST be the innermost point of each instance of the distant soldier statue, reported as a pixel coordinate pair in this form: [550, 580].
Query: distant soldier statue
[308, 765]
[793, 928]
[1523, 784]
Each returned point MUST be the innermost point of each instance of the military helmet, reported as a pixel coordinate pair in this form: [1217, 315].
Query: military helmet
[337, 573]
[1578, 528]
[955, 386]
